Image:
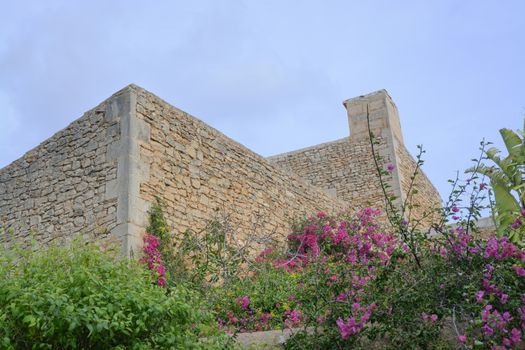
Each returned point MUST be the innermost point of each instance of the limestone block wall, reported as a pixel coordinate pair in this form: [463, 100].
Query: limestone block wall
[344, 168]
[347, 169]
[100, 175]
[196, 170]
[59, 187]
[426, 200]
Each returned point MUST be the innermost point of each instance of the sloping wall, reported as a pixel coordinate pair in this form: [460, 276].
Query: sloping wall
[426, 199]
[102, 173]
[59, 187]
[196, 170]
[344, 168]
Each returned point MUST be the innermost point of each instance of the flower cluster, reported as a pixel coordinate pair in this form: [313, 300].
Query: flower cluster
[292, 318]
[153, 259]
[496, 270]
[518, 222]
[349, 276]
[355, 323]
[358, 240]
[245, 320]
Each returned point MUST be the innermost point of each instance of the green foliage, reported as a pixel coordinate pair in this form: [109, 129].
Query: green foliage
[199, 258]
[211, 254]
[507, 179]
[80, 297]
[266, 291]
[159, 228]
[350, 282]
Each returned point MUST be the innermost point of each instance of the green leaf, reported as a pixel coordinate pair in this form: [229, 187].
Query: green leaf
[512, 141]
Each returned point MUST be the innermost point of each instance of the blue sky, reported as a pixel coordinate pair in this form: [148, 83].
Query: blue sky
[271, 74]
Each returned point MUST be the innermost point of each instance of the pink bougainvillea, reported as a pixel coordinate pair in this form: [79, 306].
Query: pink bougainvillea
[153, 258]
[347, 262]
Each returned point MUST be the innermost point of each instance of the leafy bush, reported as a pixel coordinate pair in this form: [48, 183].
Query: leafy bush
[82, 297]
[507, 180]
[351, 282]
[258, 301]
[357, 283]
[202, 258]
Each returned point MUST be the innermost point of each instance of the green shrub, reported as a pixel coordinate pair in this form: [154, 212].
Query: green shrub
[257, 302]
[507, 179]
[80, 297]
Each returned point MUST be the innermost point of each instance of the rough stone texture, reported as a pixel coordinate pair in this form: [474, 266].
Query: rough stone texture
[267, 339]
[59, 188]
[102, 173]
[196, 170]
[486, 227]
[426, 199]
[346, 167]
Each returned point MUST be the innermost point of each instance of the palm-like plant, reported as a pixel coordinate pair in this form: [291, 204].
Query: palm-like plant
[507, 179]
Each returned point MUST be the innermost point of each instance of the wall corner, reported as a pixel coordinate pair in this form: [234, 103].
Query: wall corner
[131, 171]
[384, 124]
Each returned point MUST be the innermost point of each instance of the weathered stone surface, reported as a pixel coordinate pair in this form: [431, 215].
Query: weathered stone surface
[102, 173]
[45, 194]
[346, 167]
[217, 173]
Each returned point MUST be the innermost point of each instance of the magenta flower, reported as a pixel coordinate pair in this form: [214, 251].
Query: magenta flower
[321, 215]
[344, 330]
[520, 271]
[515, 335]
[292, 317]
[341, 297]
[486, 329]
[244, 302]
[390, 168]
[516, 224]
[348, 328]
[341, 236]
[153, 258]
[434, 317]
[462, 338]
[479, 296]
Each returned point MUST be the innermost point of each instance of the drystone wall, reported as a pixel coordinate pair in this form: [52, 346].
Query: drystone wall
[103, 172]
[197, 171]
[347, 169]
[344, 168]
[59, 188]
[425, 199]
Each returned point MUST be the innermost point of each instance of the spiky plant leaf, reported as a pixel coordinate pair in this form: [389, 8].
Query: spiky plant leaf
[512, 141]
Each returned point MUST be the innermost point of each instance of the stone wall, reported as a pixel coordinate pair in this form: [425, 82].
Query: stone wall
[196, 171]
[59, 188]
[102, 173]
[425, 199]
[344, 168]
